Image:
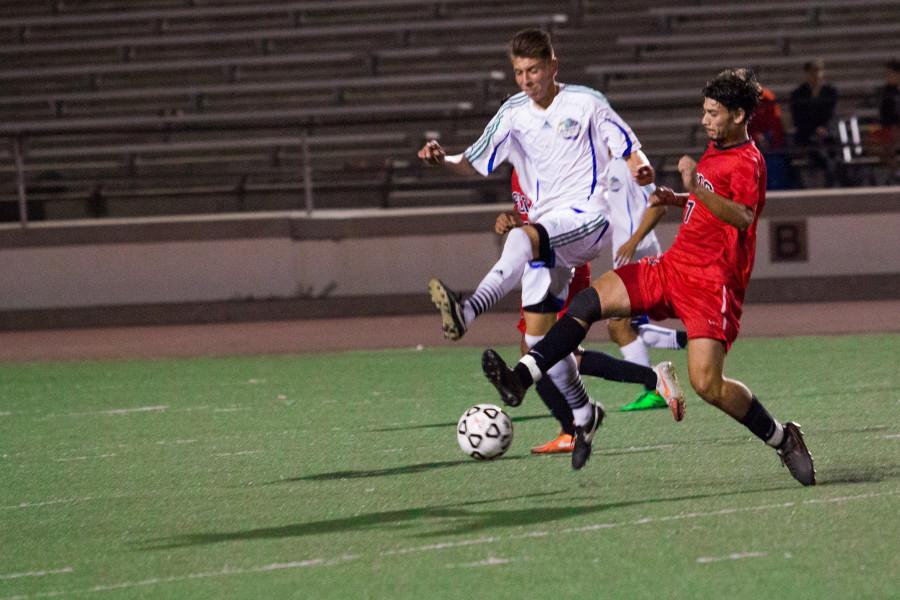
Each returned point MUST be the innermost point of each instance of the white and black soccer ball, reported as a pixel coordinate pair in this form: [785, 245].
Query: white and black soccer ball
[484, 432]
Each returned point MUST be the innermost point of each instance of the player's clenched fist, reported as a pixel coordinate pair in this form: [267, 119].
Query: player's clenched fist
[505, 222]
[432, 153]
[664, 196]
[645, 175]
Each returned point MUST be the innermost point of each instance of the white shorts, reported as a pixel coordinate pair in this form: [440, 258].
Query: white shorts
[573, 238]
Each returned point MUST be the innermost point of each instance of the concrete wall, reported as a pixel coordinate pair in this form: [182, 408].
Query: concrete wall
[287, 265]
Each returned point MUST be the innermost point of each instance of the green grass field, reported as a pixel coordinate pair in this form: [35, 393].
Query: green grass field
[338, 476]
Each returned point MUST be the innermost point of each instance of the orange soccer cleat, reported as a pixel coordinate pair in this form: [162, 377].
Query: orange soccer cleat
[562, 444]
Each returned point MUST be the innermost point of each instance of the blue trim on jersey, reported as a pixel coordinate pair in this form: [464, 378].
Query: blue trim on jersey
[593, 162]
[627, 137]
[482, 143]
[490, 167]
[630, 216]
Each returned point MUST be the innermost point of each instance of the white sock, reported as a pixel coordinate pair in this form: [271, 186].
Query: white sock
[564, 375]
[777, 435]
[531, 364]
[636, 352]
[659, 337]
[502, 277]
[583, 415]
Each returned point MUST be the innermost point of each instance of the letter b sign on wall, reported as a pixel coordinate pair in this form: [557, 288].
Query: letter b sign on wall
[788, 241]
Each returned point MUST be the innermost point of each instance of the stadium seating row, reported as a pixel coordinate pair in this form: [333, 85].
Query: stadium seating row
[203, 96]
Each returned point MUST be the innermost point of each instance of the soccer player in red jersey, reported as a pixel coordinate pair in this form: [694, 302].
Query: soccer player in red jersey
[701, 280]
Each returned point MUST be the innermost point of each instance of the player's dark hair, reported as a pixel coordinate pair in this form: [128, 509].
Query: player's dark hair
[531, 43]
[734, 89]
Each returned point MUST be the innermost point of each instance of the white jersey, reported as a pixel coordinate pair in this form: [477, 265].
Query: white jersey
[560, 153]
[626, 202]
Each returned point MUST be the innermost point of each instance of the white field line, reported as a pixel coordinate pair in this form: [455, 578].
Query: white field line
[491, 561]
[454, 544]
[44, 573]
[637, 449]
[218, 439]
[77, 458]
[241, 453]
[733, 556]
[50, 502]
[128, 411]
[225, 571]
[893, 436]
[139, 409]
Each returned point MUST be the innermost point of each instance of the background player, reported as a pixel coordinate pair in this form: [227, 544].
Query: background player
[632, 239]
[701, 279]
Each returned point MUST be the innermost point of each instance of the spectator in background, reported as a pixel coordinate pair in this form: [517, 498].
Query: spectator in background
[812, 109]
[888, 134]
[767, 130]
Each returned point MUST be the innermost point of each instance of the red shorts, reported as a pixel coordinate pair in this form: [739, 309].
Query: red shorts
[580, 281]
[660, 290]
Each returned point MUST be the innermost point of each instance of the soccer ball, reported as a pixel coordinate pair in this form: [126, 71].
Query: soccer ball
[484, 432]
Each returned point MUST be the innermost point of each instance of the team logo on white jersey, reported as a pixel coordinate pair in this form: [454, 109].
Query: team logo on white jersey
[568, 129]
[615, 184]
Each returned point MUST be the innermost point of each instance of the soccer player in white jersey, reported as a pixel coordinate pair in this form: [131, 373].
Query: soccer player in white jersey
[559, 138]
[633, 239]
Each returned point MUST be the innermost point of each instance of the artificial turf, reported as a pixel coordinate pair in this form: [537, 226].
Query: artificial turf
[338, 476]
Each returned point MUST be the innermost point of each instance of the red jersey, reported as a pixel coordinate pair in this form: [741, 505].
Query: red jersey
[707, 247]
[521, 202]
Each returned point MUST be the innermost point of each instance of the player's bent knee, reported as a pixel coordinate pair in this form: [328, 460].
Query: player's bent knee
[707, 387]
[585, 306]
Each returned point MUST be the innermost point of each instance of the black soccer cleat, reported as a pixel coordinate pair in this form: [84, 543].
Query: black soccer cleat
[503, 378]
[450, 305]
[584, 437]
[795, 455]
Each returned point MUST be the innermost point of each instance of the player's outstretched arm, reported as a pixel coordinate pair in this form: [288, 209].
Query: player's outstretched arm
[729, 211]
[626, 251]
[434, 155]
[664, 196]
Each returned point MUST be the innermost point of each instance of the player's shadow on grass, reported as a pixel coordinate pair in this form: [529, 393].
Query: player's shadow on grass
[450, 425]
[392, 520]
[458, 517]
[404, 470]
[861, 474]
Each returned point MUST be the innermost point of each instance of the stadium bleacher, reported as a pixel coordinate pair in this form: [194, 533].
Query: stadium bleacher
[181, 99]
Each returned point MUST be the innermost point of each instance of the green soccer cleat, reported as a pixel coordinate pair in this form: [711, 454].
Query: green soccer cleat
[645, 401]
